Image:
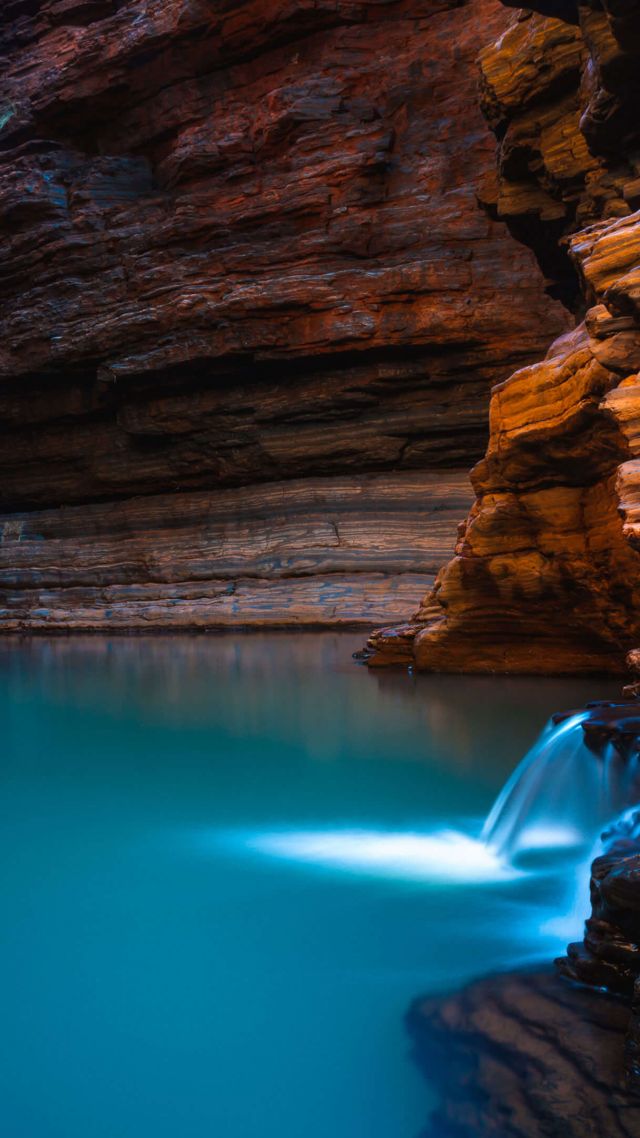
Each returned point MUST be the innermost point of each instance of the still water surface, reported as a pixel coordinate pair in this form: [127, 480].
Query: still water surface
[224, 878]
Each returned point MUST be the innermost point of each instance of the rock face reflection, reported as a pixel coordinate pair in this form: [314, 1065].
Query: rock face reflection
[182, 676]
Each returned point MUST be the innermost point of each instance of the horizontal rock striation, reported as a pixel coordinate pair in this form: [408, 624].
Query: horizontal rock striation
[347, 550]
[546, 572]
[242, 250]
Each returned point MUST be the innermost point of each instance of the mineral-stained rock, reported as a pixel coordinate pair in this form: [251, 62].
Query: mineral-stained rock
[242, 248]
[546, 573]
[526, 1056]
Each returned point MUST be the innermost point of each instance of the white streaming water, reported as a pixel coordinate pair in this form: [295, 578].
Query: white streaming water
[557, 802]
[561, 794]
[445, 856]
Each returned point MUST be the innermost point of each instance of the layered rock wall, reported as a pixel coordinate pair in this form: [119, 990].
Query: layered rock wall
[546, 574]
[249, 301]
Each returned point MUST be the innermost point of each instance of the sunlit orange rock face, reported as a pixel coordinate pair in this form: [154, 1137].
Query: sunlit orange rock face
[546, 572]
[251, 306]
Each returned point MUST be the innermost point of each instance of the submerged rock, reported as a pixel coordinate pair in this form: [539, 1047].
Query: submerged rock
[526, 1056]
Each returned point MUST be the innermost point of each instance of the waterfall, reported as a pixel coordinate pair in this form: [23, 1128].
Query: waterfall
[579, 776]
[562, 793]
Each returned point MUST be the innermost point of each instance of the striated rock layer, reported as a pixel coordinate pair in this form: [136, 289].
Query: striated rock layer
[246, 285]
[299, 552]
[546, 572]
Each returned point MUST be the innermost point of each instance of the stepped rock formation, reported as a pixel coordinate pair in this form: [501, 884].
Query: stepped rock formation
[546, 572]
[251, 307]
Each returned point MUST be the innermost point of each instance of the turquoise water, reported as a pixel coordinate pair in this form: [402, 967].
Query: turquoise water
[218, 889]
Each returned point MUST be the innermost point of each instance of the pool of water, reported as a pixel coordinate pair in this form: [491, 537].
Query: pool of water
[225, 876]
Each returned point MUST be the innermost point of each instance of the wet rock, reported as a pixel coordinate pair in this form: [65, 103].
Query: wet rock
[526, 1055]
[609, 956]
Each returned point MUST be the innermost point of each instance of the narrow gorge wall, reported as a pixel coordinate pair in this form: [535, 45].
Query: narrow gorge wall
[251, 309]
[546, 573]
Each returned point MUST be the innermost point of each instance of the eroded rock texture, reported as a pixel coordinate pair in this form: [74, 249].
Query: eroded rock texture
[250, 306]
[546, 574]
[525, 1055]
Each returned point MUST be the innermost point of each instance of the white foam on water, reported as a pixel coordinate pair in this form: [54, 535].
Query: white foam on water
[560, 795]
[438, 856]
[542, 824]
[549, 837]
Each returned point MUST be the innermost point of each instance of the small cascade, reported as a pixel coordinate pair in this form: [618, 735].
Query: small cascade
[580, 773]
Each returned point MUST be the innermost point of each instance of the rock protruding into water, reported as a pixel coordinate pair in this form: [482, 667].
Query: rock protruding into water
[609, 955]
[614, 725]
[608, 958]
[546, 573]
[524, 1055]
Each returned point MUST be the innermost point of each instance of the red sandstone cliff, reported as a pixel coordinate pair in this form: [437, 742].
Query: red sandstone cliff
[251, 307]
[546, 573]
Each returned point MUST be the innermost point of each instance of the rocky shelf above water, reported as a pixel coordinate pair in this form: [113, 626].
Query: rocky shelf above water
[608, 722]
